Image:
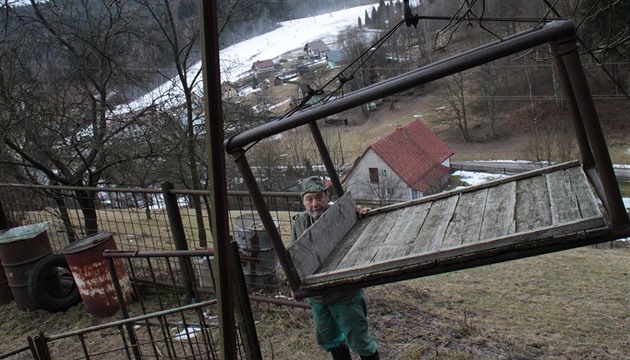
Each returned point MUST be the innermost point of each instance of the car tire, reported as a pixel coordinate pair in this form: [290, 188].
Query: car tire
[52, 286]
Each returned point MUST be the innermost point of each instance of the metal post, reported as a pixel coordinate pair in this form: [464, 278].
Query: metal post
[244, 309]
[265, 217]
[211, 71]
[328, 163]
[179, 236]
[567, 49]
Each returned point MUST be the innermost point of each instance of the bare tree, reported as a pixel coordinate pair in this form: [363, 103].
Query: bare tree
[454, 112]
[61, 119]
[490, 79]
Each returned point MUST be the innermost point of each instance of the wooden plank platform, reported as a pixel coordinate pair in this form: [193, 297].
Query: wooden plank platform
[523, 211]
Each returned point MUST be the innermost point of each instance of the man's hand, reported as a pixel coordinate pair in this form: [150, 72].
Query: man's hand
[362, 211]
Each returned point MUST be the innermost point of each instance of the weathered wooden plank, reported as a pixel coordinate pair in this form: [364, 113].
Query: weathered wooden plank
[587, 201]
[564, 206]
[532, 206]
[404, 232]
[467, 219]
[485, 185]
[432, 233]
[498, 217]
[310, 251]
[366, 246]
[418, 262]
[337, 255]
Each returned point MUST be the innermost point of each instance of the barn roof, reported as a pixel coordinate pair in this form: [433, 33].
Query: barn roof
[318, 45]
[263, 64]
[415, 154]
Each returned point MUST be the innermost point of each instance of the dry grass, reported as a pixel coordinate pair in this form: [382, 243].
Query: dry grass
[567, 305]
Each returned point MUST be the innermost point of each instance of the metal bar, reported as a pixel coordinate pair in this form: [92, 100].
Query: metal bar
[265, 216]
[211, 70]
[328, 163]
[244, 310]
[123, 308]
[179, 235]
[574, 112]
[155, 253]
[406, 81]
[567, 48]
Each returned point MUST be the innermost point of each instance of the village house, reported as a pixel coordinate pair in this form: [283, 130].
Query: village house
[407, 164]
[264, 66]
[317, 47]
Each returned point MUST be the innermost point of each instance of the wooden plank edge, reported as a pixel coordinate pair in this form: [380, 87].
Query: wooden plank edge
[465, 261]
[594, 223]
[317, 253]
[484, 185]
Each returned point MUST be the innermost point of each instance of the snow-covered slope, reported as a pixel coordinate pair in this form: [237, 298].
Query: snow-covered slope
[238, 58]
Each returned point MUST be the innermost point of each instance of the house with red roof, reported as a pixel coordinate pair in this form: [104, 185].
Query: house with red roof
[407, 164]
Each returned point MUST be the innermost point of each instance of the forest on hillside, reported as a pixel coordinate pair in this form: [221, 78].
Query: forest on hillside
[70, 70]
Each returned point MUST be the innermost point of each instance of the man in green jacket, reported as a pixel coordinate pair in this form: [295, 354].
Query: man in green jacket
[341, 317]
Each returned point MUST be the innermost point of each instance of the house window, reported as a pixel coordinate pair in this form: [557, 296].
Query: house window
[389, 191]
[373, 175]
[384, 173]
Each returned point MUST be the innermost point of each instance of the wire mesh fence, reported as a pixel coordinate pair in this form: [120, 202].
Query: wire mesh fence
[143, 220]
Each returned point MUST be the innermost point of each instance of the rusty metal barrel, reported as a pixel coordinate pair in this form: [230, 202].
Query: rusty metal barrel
[20, 250]
[258, 257]
[91, 273]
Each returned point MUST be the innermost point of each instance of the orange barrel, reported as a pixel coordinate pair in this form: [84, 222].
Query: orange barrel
[91, 273]
[20, 250]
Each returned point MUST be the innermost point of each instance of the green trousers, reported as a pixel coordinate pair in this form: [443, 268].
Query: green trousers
[341, 322]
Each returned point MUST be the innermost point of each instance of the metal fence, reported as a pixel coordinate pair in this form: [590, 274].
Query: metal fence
[153, 219]
[162, 320]
[174, 311]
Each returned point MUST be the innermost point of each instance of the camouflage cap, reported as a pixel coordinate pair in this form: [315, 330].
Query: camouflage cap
[312, 184]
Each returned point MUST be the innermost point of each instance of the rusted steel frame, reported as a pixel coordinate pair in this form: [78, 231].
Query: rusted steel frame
[240, 159]
[567, 49]
[467, 60]
[449, 66]
[211, 71]
[328, 163]
[156, 253]
[123, 309]
[132, 320]
[179, 236]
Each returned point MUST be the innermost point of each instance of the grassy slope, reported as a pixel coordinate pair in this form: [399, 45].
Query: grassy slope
[567, 305]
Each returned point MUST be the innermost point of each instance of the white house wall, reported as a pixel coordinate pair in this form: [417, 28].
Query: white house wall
[358, 182]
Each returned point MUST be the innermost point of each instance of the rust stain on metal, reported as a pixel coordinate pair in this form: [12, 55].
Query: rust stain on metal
[91, 273]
